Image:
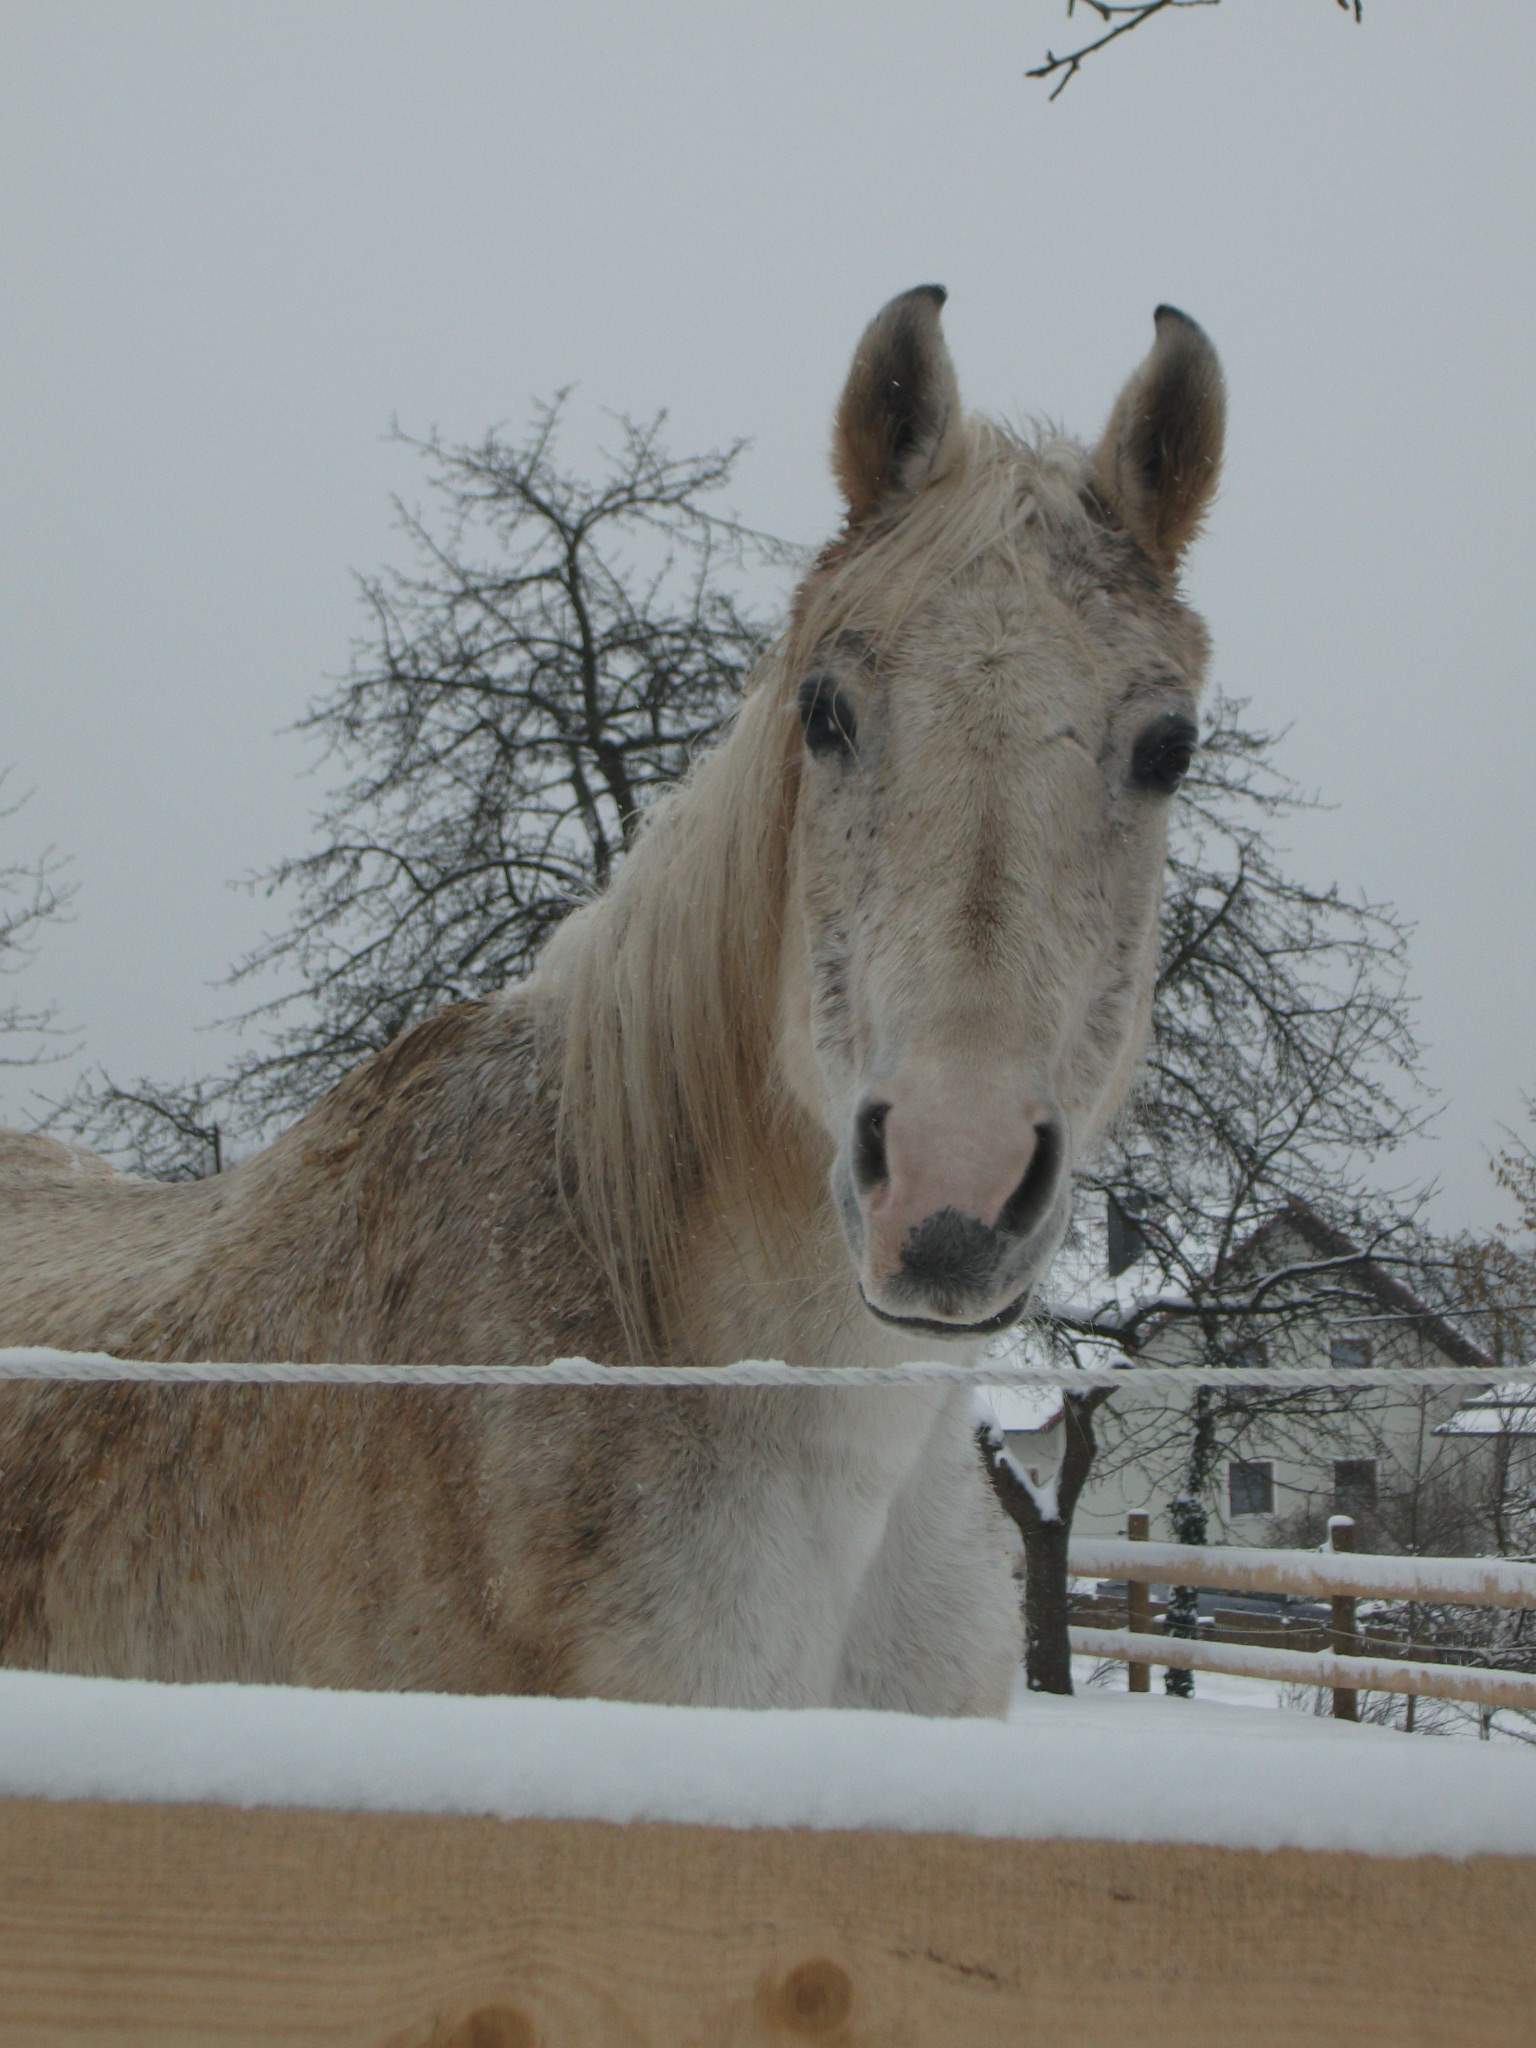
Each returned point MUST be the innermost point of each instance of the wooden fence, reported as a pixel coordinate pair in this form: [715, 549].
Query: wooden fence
[130, 1926]
[1247, 1645]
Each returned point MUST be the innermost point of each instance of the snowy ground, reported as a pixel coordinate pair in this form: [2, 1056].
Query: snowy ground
[1432, 1716]
[1103, 1765]
[1212, 1687]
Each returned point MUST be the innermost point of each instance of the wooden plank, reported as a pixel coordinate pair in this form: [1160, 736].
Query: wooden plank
[1464, 1682]
[182, 1924]
[1234, 1568]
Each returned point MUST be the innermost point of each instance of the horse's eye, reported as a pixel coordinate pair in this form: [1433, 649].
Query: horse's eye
[1161, 757]
[826, 716]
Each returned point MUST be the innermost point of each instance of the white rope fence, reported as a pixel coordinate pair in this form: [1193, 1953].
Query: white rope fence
[81, 1366]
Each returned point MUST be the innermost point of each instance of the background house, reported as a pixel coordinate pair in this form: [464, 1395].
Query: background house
[1501, 1421]
[1419, 1470]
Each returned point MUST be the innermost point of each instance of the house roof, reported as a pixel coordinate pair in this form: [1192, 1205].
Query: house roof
[1329, 1243]
[1505, 1410]
[1489, 1422]
[1300, 1219]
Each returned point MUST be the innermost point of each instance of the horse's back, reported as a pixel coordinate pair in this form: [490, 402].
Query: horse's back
[82, 1246]
[414, 1214]
[28, 1160]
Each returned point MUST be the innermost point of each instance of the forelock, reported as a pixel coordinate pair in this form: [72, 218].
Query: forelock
[1013, 494]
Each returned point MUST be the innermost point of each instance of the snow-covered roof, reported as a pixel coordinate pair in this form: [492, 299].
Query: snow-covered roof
[1507, 1394]
[1298, 1219]
[1508, 1409]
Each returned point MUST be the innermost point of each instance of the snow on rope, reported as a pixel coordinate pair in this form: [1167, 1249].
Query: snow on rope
[40, 1364]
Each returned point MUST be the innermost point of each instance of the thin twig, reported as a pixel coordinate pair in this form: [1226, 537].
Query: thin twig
[1119, 20]
[1072, 62]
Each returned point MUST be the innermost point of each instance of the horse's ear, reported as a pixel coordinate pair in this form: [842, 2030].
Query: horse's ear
[1160, 456]
[900, 410]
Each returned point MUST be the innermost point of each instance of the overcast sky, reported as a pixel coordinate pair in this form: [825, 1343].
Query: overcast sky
[239, 240]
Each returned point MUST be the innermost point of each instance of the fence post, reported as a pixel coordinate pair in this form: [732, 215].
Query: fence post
[1344, 1642]
[1138, 1602]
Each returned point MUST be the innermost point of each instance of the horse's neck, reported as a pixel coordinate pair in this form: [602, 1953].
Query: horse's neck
[776, 1281]
[675, 987]
[761, 1280]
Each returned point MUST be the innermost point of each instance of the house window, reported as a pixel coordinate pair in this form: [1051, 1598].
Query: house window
[1344, 1352]
[1250, 1355]
[1251, 1487]
[1354, 1486]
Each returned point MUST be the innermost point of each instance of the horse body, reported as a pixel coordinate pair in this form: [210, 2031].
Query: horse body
[806, 1082]
[693, 1545]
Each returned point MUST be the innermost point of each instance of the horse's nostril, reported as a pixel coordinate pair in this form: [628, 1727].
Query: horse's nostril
[870, 1167]
[1026, 1207]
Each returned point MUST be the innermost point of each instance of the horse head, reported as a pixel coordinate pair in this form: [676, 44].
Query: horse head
[990, 698]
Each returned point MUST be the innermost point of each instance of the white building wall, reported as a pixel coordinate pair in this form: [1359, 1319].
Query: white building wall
[1144, 1438]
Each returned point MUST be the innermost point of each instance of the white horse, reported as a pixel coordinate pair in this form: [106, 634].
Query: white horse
[808, 1081]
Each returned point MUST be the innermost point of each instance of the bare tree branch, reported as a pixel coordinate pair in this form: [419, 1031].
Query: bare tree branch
[34, 893]
[548, 655]
[1120, 20]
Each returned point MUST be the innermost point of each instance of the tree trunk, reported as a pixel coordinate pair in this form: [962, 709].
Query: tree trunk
[1047, 1651]
[1187, 1514]
[1047, 1647]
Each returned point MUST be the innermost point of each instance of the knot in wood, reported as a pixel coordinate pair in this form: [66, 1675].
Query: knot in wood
[493, 2026]
[815, 1997]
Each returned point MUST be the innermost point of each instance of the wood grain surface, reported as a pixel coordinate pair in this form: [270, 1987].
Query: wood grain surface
[196, 1924]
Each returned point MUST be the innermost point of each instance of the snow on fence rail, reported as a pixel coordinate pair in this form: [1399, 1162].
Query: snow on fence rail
[1462, 1682]
[1338, 1575]
[1450, 1581]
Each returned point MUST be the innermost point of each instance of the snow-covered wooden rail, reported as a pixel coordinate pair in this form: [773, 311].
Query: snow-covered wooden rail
[1468, 1683]
[1461, 1581]
[230, 1865]
[239, 1864]
[1317, 1574]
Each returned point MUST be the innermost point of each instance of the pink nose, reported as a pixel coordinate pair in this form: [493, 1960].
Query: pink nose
[983, 1152]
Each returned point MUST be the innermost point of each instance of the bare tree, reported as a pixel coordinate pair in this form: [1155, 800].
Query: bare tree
[1044, 1520]
[559, 650]
[1117, 20]
[33, 894]
[1282, 1062]
[1514, 1169]
[554, 653]
[167, 1132]
[1178, 1446]
[1439, 1491]
[1497, 1275]
[1446, 1490]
